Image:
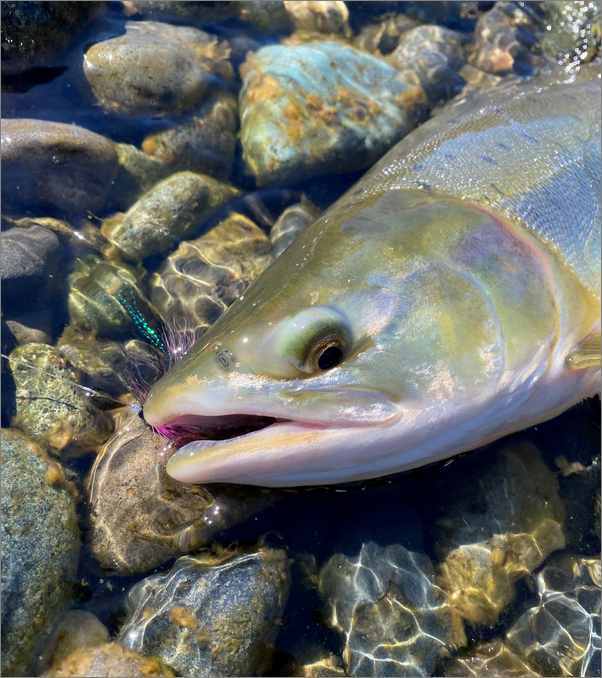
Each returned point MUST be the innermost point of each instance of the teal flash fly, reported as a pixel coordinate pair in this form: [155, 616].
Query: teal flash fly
[144, 328]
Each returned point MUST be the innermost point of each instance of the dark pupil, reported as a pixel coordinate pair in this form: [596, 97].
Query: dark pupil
[330, 357]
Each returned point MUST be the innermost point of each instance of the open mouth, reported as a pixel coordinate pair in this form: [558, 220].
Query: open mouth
[190, 428]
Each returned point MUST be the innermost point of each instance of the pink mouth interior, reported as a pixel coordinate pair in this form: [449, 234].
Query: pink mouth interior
[185, 429]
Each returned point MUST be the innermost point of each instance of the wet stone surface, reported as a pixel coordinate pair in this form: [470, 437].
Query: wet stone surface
[140, 517]
[203, 277]
[50, 407]
[51, 165]
[29, 260]
[108, 660]
[155, 68]
[211, 615]
[393, 618]
[35, 33]
[39, 537]
[100, 296]
[503, 517]
[489, 660]
[560, 636]
[167, 213]
[205, 143]
[312, 109]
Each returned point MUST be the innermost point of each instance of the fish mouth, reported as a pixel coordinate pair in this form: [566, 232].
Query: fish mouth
[241, 449]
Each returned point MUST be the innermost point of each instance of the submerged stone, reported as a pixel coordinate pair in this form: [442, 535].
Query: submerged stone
[51, 165]
[318, 108]
[138, 173]
[211, 615]
[103, 296]
[203, 277]
[435, 55]
[489, 660]
[501, 520]
[381, 36]
[505, 37]
[34, 34]
[139, 516]
[29, 262]
[39, 537]
[169, 212]
[155, 68]
[77, 629]
[50, 405]
[393, 618]
[182, 11]
[328, 16]
[204, 143]
[573, 32]
[560, 636]
[109, 659]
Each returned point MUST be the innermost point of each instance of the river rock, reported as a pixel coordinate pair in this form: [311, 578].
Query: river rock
[109, 660]
[182, 11]
[140, 517]
[504, 38]
[155, 68]
[459, 15]
[265, 16]
[381, 36]
[171, 211]
[320, 108]
[502, 518]
[33, 327]
[51, 165]
[204, 143]
[109, 366]
[40, 544]
[560, 636]
[329, 16]
[138, 173]
[435, 54]
[489, 660]
[326, 666]
[290, 223]
[29, 261]
[393, 618]
[77, 629]
[105, 300]
[34, 34]
[211, 615]
[51, 407]
[203, 277]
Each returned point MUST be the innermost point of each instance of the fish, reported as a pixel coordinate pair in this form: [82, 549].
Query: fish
[450, 298]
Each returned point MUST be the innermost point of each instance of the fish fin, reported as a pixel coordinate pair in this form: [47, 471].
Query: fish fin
[586, 353]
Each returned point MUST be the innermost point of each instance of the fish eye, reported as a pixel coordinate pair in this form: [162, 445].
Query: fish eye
[328, 353]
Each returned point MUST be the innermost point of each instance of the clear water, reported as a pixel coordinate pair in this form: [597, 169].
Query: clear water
[312, 524]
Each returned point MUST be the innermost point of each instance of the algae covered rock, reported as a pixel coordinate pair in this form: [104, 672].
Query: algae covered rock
[182, 11]
[382, 35]
[52, 165]
[501, 520]
[109, 660]
[322, 107]
[203, 277]
[393, 618]
[166, 214]
[138, 172]
[77, 629]
[211, 615]
[573, 32]
[329, 16]
[104, 298]
[155, 68]
[560, 636]
[139, 516]
[50, 405]
[40, 545]
[204, 143]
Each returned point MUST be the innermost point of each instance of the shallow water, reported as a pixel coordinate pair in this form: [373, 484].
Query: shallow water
[424, 511]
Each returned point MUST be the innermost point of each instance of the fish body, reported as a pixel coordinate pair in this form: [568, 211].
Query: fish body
[449, 298]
